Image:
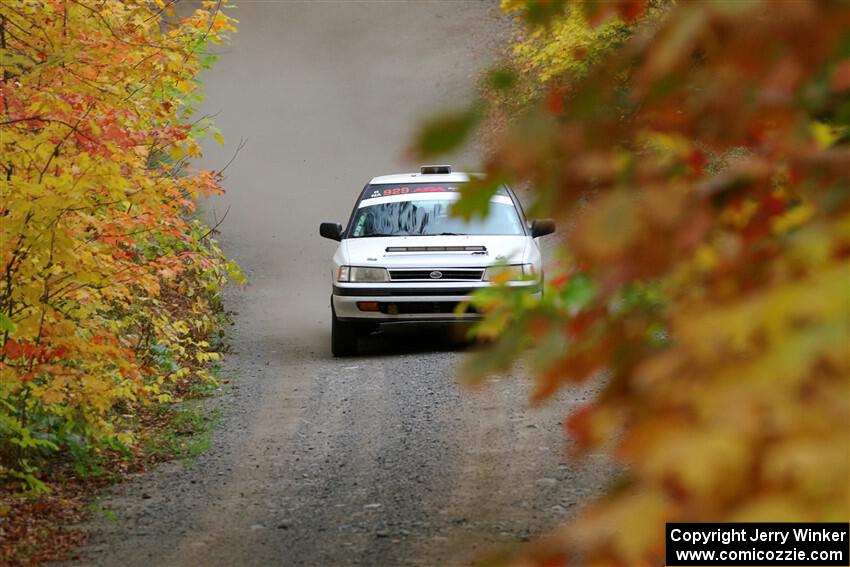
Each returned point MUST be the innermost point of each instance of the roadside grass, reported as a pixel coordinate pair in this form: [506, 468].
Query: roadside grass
[95, 509]
[36, 528]
[187, 435]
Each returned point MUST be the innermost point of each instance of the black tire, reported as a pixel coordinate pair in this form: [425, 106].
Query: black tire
[343, 337]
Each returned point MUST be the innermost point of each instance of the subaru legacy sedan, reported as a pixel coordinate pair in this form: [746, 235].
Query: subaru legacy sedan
[403, 259]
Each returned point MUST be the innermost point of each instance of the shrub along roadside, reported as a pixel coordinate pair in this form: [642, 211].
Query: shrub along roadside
[109, 285]
[110, 289]
[110, 308]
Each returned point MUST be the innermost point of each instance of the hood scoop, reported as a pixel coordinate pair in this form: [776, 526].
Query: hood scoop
[473, 249]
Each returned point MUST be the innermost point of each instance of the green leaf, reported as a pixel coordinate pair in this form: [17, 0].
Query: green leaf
[447, 132]
[502, 79]
[538, 13]
[499, 358]
[579, 291]
[11, 58]
[475, 197]
[6, 324]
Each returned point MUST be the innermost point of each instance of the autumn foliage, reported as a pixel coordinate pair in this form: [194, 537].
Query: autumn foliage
[699, 167]
[108, 285]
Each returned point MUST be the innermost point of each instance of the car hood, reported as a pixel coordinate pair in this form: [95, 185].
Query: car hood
[435, 251]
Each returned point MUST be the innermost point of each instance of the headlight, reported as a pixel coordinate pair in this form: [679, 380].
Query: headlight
[368, 275]
[359, 274]
[513, 273]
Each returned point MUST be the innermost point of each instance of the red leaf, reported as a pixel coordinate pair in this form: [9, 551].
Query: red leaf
[580, 323]
[559, 281]
[697, 161]
[773, 205]
[555, 101]
[576, 425]
[12, 349]
[538, 327]
[631, 10]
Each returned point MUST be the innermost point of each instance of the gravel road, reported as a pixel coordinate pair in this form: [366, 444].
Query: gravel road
[380, 459]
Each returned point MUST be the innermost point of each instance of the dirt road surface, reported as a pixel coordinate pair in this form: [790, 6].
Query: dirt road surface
[380, 459]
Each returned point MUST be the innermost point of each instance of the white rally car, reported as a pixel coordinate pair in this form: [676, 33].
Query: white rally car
[403, 259]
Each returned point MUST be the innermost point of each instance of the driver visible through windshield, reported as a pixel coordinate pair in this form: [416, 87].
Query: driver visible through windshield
[424, 210]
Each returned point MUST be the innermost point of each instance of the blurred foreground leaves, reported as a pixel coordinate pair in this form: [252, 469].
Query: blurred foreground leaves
[698, 154]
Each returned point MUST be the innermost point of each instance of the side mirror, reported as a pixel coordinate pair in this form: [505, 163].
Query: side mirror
[542, 227]
[332, 230]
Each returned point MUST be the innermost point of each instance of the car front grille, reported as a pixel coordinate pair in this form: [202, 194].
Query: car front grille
[436, 274]
[421, 308]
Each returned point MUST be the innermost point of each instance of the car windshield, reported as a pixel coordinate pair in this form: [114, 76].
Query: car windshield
[429, 216]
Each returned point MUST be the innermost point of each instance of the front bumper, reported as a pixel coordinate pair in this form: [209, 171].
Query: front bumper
[409, 304]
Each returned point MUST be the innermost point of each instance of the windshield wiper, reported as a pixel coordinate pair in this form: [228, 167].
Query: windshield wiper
[453, 234]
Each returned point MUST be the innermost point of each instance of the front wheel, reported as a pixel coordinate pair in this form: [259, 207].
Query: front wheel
[343, 337]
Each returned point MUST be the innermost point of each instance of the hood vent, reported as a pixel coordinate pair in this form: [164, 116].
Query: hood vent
[479, 249]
